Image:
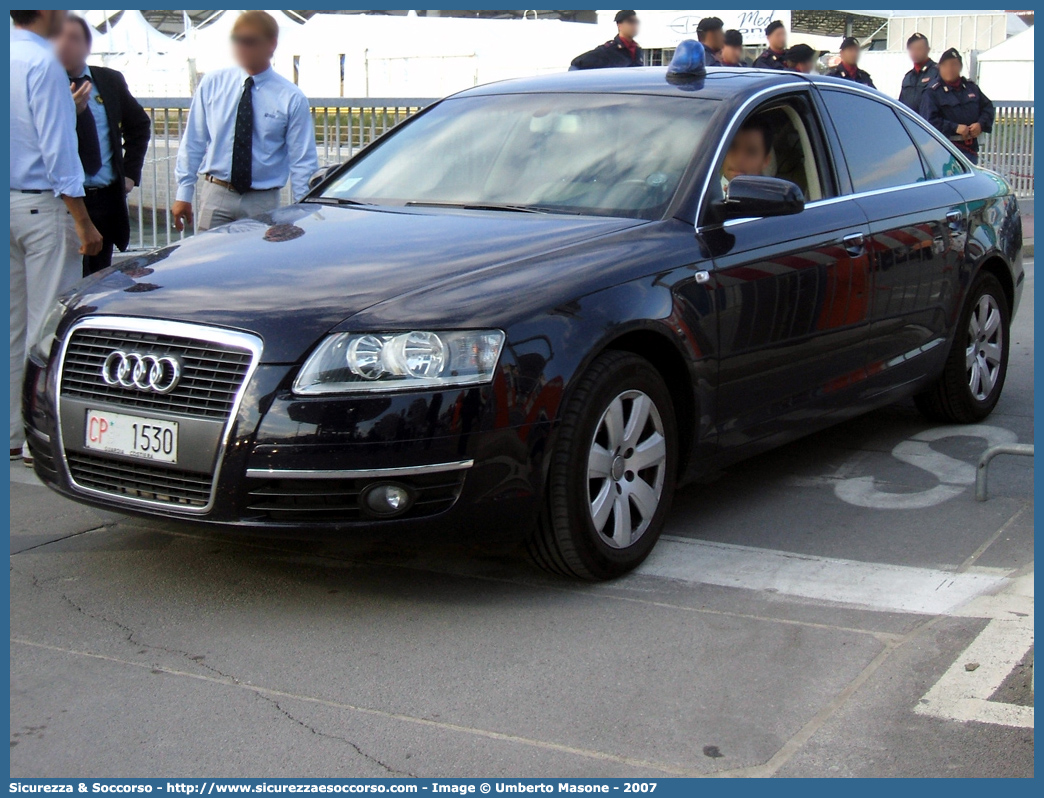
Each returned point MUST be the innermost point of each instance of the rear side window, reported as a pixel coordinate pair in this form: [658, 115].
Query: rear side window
[940, 160]
[879, 151]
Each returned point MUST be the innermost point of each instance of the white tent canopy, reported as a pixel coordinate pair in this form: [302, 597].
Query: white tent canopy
[133, 34]
[1006, 71]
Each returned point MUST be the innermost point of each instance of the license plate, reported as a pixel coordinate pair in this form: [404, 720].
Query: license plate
[132, 436]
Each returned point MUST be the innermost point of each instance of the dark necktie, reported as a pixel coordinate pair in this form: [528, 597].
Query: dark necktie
[243, 144]
[87, 136]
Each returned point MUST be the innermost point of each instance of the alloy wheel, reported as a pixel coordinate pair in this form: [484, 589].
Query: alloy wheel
[985, 350]
[626, 466]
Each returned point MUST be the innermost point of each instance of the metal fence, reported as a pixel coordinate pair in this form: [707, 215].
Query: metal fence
[345, 126]
[1008, 150]
[342, 128]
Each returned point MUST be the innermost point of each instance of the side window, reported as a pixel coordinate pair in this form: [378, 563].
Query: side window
[940, 160]
[878, 149]
[777, 140]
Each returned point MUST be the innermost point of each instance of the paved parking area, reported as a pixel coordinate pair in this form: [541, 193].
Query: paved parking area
[839, 607]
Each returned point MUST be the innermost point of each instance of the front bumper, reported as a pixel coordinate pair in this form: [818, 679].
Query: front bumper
[299, 466]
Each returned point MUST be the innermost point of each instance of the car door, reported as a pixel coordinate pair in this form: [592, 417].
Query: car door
[791, 296]
[916, 237]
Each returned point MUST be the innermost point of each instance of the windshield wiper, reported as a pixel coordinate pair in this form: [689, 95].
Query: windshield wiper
[335, 201]
[477, 206]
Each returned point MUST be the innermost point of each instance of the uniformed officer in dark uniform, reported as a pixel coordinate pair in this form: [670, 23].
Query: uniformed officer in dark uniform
[621, 51]
[924, 73]
[849, 69]
[957, 107]
[800, 58]
[710, 33]
[732, 52]
[772, 58]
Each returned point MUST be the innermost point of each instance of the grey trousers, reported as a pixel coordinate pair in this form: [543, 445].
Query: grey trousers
[217, 205]
[45, 260]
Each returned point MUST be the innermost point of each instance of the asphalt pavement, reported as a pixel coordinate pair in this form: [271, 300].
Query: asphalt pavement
[839, 607]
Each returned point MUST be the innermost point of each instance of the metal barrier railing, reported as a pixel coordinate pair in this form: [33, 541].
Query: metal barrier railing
[344, 126]
[1008, 150]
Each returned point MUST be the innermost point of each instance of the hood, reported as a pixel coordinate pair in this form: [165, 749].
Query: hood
[292, 275]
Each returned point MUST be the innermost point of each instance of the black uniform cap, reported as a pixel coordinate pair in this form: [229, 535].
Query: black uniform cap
[733, 38]
[623, 16]
[708, 24]
[849, 41]
[917, 37]
[953, 52]
[772, 26]
[799, 54]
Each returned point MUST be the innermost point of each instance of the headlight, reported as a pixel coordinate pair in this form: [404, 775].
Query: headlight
[40, 350]
[371, 362]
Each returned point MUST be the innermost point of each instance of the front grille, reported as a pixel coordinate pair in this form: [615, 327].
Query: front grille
[211, 373]
[337, 500]
[140, 481]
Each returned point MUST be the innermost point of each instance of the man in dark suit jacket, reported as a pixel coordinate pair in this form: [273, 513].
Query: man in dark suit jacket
[113, 132]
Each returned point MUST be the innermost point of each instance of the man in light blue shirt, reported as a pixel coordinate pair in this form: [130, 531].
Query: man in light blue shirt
[249, 130]
[50, 227]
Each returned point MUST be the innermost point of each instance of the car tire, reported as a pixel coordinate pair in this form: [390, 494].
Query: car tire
[973, 377]
[611, 481]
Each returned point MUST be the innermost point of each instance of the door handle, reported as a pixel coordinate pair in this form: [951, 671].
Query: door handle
[854, 243]
[954, 219]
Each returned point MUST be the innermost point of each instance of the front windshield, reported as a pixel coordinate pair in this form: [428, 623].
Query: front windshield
[604, 154]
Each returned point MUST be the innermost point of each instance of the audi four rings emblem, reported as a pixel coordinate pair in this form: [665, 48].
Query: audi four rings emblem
[149, 373]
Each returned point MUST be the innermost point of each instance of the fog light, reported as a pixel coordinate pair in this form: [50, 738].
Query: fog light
[387, 499]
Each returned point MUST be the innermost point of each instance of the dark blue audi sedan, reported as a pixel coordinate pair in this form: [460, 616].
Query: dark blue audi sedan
[530, 313]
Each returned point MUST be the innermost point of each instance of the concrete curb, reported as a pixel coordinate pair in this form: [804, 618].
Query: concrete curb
[1027, 249]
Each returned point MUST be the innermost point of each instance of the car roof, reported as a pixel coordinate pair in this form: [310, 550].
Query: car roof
[720, 83]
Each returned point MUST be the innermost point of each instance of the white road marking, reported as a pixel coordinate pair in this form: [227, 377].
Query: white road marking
[954, 475]
[962, 694]
[876, 586]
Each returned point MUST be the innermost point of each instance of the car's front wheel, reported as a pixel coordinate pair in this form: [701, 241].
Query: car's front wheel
[972, 380]
[612, 472]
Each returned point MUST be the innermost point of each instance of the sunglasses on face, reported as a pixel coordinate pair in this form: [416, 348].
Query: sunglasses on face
[247, 41]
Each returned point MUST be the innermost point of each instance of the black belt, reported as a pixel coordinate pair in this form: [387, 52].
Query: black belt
[96, 189]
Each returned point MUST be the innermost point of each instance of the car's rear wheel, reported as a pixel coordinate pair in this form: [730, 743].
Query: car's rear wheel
[972, 380]
[612, 472]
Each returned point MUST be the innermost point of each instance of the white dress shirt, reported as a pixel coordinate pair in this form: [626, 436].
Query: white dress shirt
[284, 136]
[45, 154]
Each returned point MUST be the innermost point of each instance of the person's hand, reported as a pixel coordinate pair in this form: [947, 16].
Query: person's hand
[90, 238]
[182, 213]
[962, 130]
[81, 95]
[128, 185]
[975, 130]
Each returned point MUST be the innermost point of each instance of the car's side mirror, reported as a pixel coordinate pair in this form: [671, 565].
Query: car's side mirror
[321, 175]
[753, 195]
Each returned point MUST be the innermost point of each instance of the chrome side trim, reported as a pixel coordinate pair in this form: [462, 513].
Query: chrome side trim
[214, 335]
[43, 436]
[363, 473]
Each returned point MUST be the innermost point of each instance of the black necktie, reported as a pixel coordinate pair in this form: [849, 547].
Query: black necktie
[87, 135]
[243, 144]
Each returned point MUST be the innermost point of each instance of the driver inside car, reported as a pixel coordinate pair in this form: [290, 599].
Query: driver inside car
[750, 152]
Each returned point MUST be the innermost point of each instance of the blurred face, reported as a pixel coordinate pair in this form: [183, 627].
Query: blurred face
[850, 55]
[730, 54]
[950, 70]
[715, 40]
[252, 49]
[71, 47]
[628, 28]
[777, 40]
[746, 156]
[918, 52]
